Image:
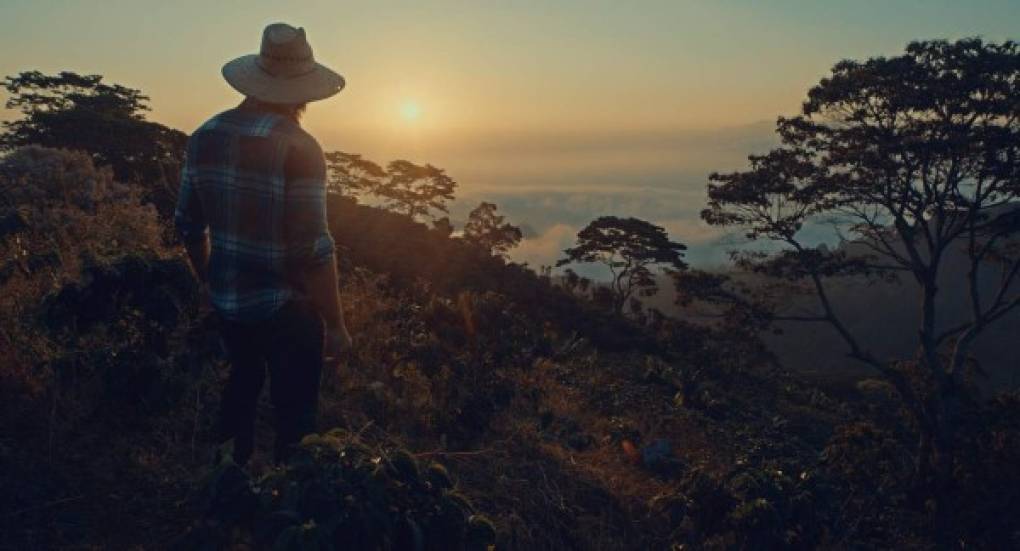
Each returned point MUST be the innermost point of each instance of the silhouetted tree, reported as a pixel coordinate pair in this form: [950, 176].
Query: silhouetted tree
[443, 226]
[352, 175]
[630, 248]
[914, 155]
[80, 112]
[416, 190]
[489, 230]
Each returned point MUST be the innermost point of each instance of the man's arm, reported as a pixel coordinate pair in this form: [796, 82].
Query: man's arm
[189, 219]
[309, 244]
[323, 288]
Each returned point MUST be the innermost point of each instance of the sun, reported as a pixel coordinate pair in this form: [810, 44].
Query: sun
[410, 111]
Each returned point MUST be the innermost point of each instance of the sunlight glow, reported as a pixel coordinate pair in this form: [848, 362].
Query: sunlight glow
[410, 111]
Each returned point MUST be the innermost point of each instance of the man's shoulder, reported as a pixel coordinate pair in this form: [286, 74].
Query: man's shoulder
[255, 123]
[304, 156]
[218, 121]
[300, 138]
[270, 126]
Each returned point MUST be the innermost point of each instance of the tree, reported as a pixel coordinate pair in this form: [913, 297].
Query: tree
[489, 230]
[443, 226]
[630, 248]
[80, 112]
[915, 157]
[351, 175]
[416, 190]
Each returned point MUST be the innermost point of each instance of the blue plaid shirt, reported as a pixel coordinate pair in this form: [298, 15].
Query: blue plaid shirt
[255, 183]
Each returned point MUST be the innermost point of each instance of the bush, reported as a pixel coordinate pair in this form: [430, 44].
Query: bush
[749, 508]
[64, 215]
[869, 460]
[337, 493]
[987, 475]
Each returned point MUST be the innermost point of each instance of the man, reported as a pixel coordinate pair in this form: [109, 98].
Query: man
[252, 215]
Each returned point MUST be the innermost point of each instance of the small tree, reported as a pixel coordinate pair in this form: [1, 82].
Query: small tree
[489, 230]
[80, 112]
[917, 157]
[351, 175]
[416, 190]
[443, 226]
[630, 248]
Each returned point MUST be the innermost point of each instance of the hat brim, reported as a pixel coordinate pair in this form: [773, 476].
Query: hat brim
[245, 76]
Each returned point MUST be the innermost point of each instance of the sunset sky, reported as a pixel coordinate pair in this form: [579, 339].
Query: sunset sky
[559, 111]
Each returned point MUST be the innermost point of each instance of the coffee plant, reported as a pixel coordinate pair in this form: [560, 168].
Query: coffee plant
[337, 493]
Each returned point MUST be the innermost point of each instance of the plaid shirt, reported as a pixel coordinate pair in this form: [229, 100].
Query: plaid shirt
[255, 183]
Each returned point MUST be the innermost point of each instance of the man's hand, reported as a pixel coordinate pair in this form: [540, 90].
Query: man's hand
[324, 292]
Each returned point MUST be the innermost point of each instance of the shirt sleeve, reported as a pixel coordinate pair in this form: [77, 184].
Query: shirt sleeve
[307, 233]
[189, 219]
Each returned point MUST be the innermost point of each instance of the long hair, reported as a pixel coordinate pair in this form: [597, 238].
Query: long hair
[292, 111]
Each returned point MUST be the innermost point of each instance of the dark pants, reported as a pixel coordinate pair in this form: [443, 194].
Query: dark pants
[290, 345]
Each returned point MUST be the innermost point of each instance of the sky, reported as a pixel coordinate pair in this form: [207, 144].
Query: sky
[558, 111]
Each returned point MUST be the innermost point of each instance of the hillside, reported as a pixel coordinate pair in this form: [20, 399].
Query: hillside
[883, 313]
[486, 406]
[562, 424]
[567, 427]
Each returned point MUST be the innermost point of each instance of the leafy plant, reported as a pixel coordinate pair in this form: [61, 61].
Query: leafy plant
[338, 493]
[81, 112]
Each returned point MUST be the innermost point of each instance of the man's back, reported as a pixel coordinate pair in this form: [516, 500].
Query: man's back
[256, 180]
[252, 216]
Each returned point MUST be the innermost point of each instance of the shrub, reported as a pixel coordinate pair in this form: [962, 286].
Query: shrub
[337, 493]
[64, 215]
[868, 459]
[748, 508]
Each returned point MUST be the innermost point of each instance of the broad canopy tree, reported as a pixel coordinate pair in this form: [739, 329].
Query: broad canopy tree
[352, 175]
[416, 190]
[80, 112]
[630, 248]
[913, 157]
[490, 231]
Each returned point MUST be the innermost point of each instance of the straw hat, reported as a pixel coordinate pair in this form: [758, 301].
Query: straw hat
[283, 71]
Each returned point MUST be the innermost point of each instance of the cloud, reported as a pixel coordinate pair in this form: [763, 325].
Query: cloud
[691, 231]
[547, 247]
[555, 184]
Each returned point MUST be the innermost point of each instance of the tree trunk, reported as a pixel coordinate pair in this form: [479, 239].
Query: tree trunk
[935, 462]
[944, 518]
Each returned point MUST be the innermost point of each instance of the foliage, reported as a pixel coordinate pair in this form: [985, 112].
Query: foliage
[69, 209]
[416, 190]
[436, 363]
[352, 175]
[338, 493]
[868, 459]
[740, 306]
[408, 252]
[629, 247]
[989, 482]
[80, 112]
[913, 156]
[489, 230]
[747, 508]
[69, 216]
[146, 301]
